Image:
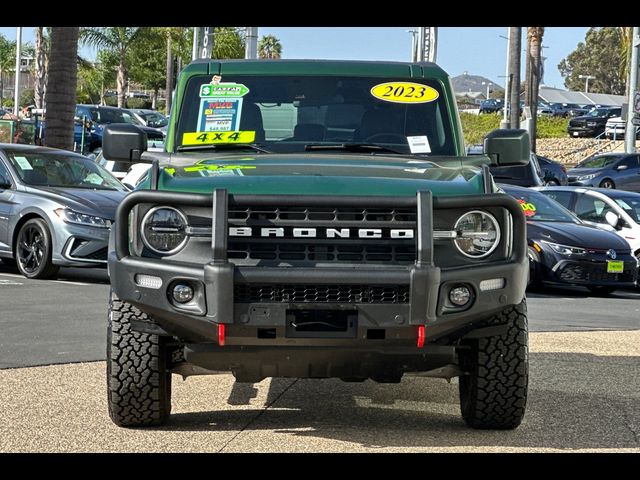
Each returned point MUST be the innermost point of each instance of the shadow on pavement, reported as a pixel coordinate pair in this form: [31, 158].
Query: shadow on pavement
[576, 401]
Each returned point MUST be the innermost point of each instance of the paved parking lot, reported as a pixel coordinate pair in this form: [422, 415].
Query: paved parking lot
[584, 393]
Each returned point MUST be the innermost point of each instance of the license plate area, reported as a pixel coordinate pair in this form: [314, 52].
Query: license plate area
[317, 323]
[614, 266]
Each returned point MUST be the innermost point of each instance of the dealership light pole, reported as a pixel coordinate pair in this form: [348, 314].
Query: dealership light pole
[16, 92]
[630, 140]
[505, 109]
[586, 84]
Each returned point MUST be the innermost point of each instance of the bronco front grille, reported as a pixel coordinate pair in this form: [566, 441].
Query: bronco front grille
[255, 249]
[258, 293]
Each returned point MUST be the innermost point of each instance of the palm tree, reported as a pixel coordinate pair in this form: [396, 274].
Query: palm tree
[40, 72]
[533, 69]
[7, 60]
[117, 40]
[626, 41]
[269, 47]
[61, 87]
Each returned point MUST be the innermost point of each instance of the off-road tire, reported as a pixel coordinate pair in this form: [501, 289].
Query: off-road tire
[493, 390]
[138, 382]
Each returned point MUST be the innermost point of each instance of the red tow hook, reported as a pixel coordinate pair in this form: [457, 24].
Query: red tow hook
[421, 335]
[221, 334]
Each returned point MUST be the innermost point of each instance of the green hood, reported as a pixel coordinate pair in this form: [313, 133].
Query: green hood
[319, 174]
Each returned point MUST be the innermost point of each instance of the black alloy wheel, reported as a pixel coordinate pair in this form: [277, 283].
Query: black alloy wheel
[607, 183]
[33, 250]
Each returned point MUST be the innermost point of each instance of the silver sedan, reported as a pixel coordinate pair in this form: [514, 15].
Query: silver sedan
[56, 209]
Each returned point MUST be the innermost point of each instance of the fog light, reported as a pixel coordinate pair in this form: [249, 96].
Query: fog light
[148, 281]
[460, 295]
[492, 284]
[182, 293]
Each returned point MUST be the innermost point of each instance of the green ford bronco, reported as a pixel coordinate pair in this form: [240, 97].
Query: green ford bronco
[317, 219]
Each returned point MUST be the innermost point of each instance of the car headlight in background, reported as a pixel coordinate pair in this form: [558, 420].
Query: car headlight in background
[71, 216]
[164, 230]
[565, 249]
[477, 234]
[591, 176]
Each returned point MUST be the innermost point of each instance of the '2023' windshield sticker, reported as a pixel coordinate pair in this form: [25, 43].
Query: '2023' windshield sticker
[211, 138]
[404, 92]
[529, 209]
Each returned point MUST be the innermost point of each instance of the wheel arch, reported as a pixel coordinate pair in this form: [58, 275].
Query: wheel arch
[26, 216]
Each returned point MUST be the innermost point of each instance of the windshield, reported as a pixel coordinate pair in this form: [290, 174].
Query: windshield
[599, 161]
[598, 112]
[114, 115]
[538, 208]
[60, 170]
[288, 113]
[631, 205]
[154, 119]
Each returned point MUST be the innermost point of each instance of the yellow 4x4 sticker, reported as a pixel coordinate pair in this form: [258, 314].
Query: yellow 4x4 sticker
[404, 92]
[211, 138]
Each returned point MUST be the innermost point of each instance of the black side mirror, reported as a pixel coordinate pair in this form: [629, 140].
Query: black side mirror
[4, 182]
[507, 147]
[123, 142]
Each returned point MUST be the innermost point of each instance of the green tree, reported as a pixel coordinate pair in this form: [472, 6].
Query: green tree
[117, 40]
[228, 42]
[147, 69]
[61, 87]
[40, 67]
[7, 61]
[269, 47]
[601, 56]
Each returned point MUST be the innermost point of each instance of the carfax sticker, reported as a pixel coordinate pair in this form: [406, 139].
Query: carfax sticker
[404, 92]
[211, 138]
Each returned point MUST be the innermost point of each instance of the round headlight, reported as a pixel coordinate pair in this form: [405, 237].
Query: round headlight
[164, 230]
[478, 234]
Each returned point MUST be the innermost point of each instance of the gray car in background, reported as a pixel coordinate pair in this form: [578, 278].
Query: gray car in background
[56, 209]
[608, 170]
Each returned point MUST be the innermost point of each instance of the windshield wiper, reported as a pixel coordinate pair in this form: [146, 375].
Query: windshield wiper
[224, 146]
[352, 147]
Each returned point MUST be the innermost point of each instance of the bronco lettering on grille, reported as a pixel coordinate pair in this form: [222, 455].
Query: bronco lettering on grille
[400, 233]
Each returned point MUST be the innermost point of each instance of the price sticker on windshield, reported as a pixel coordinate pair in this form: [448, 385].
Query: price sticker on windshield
[212, 138]
[404, 92]
[529, 209]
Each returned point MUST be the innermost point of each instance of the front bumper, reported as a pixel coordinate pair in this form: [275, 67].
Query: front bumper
[80, 246]
[585, 131]
[588, 271]
[268, 324]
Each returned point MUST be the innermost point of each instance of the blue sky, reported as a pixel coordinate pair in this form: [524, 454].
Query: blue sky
[477, 50]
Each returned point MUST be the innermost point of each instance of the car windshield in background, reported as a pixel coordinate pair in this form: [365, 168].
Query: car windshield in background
[631, 205]
[538, 208]
[59, 170]
[296, 113]
[598, 162]
[113, 115]
[598, 112]
[154, 119]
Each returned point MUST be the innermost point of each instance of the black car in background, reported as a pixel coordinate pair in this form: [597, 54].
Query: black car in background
[553, 173]
[564, 250]
[491, 105]
[593, 123]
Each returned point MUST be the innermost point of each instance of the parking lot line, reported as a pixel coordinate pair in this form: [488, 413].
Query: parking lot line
[68, 282]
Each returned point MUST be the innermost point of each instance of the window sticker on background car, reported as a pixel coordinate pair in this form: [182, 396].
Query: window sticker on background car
[220, 105]
[419, 144]
[528, 208]
[24, 163]
[404, 92]
[211, 138]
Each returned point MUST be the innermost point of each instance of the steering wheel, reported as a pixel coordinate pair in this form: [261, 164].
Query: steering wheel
[385, 138]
